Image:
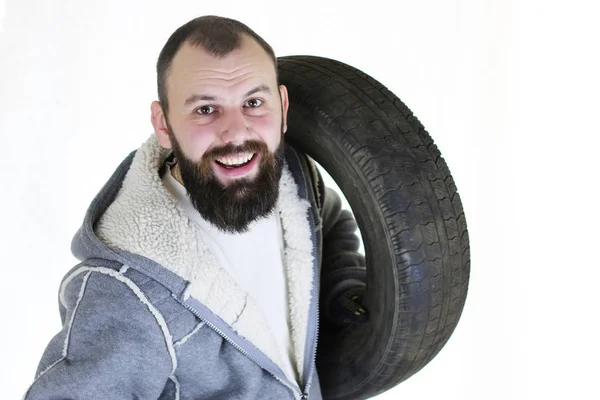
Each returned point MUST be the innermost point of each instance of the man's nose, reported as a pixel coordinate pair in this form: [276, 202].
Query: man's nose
[235, 129]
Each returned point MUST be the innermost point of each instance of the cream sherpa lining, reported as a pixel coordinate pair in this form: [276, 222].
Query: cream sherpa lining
[147, 220]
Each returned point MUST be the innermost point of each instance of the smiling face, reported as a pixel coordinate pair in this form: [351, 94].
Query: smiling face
[225, 123]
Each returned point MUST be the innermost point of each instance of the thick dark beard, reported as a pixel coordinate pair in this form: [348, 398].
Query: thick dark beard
[234, 207]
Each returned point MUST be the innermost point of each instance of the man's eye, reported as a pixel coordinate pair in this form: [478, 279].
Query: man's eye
[205, 110]
[253, 103]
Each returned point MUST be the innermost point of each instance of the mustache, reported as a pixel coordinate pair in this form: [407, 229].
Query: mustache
[251, 146]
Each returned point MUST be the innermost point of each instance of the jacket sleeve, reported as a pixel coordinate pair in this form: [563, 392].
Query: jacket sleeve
[113, 344]
[343, 269]
[340, 257]
[340, 241]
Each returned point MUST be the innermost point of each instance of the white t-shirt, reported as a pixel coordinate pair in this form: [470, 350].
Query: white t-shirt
[256, 260]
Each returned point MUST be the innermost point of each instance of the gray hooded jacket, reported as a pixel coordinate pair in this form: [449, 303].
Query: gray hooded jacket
[150, 314]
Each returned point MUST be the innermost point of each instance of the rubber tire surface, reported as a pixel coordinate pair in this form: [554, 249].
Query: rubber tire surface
[409, 213]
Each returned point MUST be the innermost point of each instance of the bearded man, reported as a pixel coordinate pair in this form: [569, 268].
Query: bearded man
[201, 256]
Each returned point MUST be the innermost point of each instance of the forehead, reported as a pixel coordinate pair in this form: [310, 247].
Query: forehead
[193, 69]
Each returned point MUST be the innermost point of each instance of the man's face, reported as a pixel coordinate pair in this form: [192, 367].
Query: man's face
[225, 123]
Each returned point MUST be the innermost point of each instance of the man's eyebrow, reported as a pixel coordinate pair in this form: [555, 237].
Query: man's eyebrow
[199, 97]
[259, 88]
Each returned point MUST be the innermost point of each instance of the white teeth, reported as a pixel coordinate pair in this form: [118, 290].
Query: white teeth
[240, 159]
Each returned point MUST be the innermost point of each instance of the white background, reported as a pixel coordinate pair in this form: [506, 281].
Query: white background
[507, 89]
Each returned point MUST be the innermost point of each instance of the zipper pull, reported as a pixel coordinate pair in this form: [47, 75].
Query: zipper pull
[304, 396]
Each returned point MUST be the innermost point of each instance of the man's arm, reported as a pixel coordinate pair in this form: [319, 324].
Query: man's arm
[111, 346]
[343, 269]
[340, 242]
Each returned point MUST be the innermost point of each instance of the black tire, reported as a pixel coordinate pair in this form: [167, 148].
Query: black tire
[408, 211]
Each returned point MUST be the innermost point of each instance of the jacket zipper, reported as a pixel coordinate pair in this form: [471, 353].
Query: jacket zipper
[316, 287]
[316, 339]
[220, 332]
[316, 277]
[314, 358]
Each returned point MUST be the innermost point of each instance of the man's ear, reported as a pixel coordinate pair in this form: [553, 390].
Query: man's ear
[285, 103]
[159, 122]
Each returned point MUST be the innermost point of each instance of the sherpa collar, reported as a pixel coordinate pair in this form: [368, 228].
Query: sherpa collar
[146, 219]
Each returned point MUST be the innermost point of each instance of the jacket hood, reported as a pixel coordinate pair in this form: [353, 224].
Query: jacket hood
[134, 220]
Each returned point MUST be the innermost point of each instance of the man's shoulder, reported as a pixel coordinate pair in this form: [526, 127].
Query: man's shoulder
[109, 283]
[117, 274]
[300, 161]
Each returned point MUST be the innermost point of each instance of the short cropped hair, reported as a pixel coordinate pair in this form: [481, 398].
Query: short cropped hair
[218, 36]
